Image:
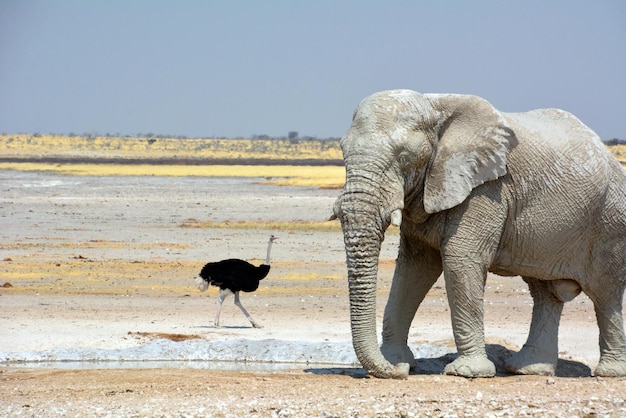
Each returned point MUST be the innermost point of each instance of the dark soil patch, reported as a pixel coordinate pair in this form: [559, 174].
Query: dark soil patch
[163, 335]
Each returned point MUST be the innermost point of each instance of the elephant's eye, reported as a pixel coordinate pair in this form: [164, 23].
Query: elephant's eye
[413, 155]
[407, 161]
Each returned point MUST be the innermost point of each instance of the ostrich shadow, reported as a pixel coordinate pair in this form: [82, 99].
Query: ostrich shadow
[495, 352]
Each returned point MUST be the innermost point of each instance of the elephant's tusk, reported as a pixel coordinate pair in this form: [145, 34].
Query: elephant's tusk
[396, 217]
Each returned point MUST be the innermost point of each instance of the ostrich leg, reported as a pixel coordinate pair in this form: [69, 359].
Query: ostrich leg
[220, 300]
[238, 303]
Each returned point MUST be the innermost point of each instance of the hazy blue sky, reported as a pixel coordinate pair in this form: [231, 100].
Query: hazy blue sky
[239, 68]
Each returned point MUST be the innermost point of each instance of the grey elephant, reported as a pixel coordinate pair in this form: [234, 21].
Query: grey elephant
[474, 190]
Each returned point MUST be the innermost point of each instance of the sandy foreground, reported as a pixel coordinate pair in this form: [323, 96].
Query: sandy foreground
[102, 268]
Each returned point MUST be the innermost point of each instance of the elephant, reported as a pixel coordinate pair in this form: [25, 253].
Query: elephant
[477, 190]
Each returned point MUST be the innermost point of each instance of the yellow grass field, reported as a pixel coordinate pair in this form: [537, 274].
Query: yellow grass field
[619, 151]
[154, 148]
[328, 226]
[33, 147]
[331, 177]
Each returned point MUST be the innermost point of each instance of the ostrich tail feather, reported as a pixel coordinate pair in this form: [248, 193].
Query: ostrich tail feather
[201, 284]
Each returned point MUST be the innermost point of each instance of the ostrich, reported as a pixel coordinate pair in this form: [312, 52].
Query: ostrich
[232, 276]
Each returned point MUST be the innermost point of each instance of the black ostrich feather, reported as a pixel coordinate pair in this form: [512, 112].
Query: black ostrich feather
[234, 274]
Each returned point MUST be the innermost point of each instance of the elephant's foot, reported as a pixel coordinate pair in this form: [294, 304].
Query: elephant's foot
[611, 367]
[471, 366]
[398, 371]
[532, 360]
[398, 353]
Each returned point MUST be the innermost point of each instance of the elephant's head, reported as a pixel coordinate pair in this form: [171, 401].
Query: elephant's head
[411, 155]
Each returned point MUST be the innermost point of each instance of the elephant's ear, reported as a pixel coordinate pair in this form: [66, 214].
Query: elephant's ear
[474, 139]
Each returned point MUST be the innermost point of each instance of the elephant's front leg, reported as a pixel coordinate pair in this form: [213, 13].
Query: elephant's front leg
[465, 287]
[470, 244]
[417, 269]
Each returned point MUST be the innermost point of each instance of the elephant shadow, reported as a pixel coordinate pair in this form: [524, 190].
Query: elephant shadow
[496, 353]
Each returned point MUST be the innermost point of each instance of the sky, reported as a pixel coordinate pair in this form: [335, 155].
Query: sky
[241, 68]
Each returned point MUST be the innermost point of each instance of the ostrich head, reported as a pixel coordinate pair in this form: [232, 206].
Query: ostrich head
[269, 248]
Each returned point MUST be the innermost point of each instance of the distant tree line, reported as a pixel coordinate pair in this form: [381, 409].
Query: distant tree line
[614, 141]
[291, 135]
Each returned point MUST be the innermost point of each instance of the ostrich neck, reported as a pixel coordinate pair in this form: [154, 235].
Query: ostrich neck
[267, 257]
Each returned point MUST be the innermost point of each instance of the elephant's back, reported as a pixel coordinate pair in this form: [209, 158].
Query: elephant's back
[556, 144]
[554, 128]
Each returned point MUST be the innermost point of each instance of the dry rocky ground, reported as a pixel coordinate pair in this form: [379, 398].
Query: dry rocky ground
[103, 262]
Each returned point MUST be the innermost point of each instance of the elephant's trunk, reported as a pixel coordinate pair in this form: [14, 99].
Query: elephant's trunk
[363, 235]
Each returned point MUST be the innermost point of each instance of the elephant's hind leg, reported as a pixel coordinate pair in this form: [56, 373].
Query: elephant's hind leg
[612, 339]
[539, 355]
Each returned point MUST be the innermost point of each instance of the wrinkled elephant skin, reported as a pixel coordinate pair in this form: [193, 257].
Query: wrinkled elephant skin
[474, 190]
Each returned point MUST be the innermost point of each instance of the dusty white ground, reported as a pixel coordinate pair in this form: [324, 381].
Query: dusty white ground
[101, 270]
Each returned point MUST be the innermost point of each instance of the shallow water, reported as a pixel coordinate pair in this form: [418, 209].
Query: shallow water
[231, 355]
